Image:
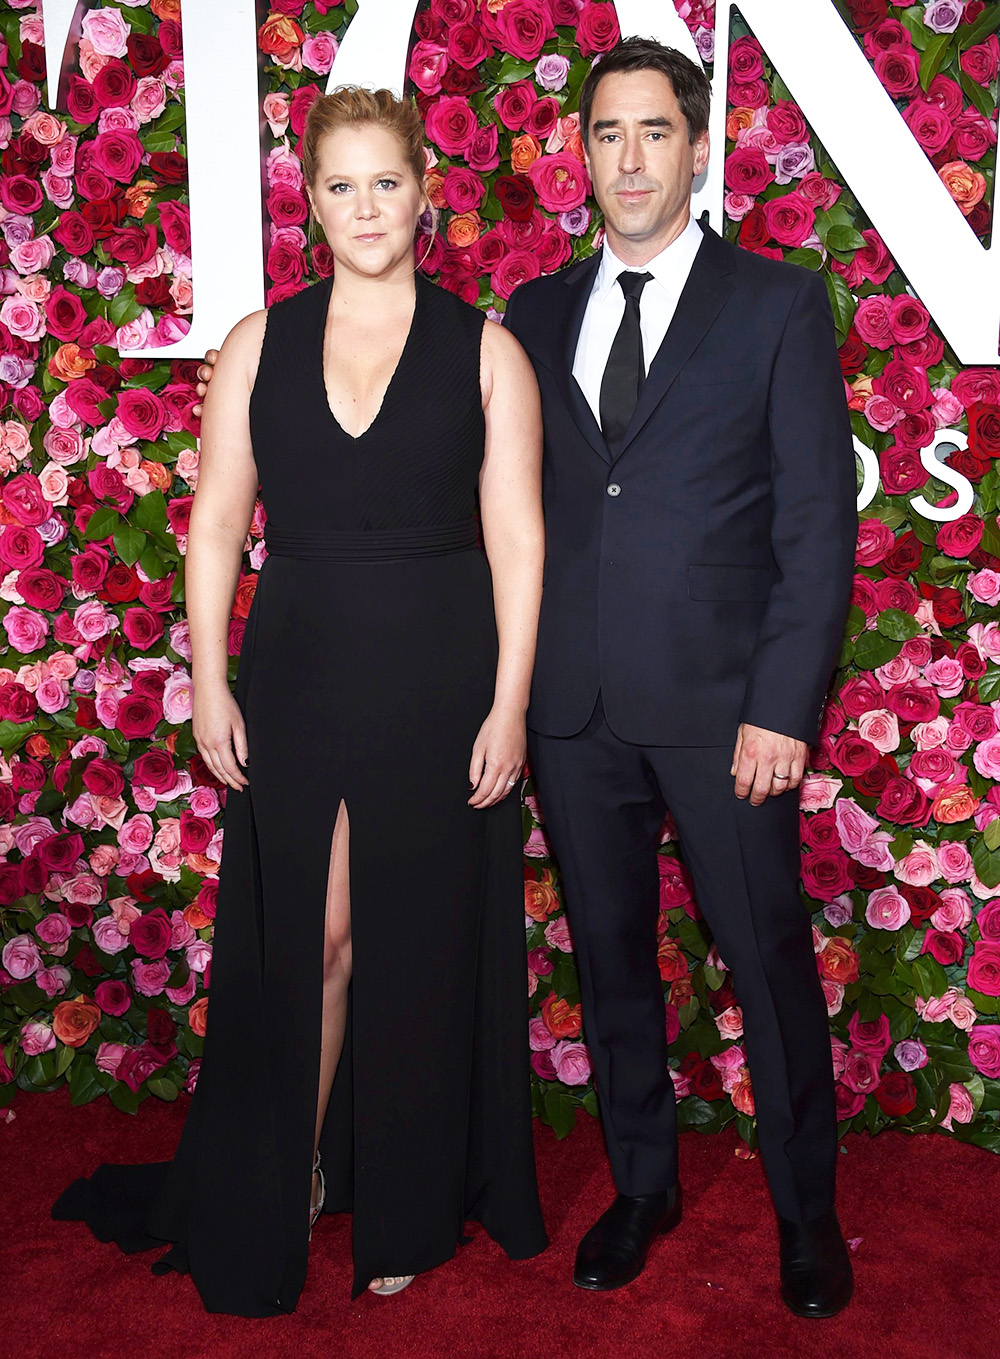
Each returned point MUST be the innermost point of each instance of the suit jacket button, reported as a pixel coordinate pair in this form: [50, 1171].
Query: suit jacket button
[614, 489]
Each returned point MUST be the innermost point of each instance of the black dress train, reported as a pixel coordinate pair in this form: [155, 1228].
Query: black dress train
[368, 665]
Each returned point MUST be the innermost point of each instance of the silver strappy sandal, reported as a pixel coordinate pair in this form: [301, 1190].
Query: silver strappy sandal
[317, 1208]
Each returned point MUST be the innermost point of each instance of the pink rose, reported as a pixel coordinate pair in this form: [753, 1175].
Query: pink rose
[872, 1036]
[790, 219]
[560, 181]
[954, 861]
[571, 1062]
[880, 728]
[861, 1072]
[730, 1023]
[21, 957]
[523, 27]
[318, 52]
[960, 1106]
[26, 630]
[818, 791]
[985, 586]
[451, 124]
[984, 1049]
[37, 1038]
[984, 968]
[919, 868]
[108, 937]
[875, 542]
[986, 757]
[117, 154]
[887, 909]
[150, 978]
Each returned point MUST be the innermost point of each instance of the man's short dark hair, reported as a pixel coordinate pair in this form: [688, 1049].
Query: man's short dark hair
[690, 83]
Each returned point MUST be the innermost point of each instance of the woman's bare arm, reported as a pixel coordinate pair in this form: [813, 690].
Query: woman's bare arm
[510, 493]
[220, 519]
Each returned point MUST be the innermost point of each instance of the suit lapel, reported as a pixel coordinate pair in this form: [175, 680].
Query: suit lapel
[707, 288]
[578, 290]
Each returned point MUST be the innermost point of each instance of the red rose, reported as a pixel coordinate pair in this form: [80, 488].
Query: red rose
[146, 55]
[114, 84]
[20, 545]
[160, 1028]
[517, 198]
[196, 832]
[923, 902]
[852, 754]
[754, 230]
[31, 63]
[542, 118]
[41, 588]
[483, 154]
[981, 62]
[904, 803]
[467, 46]
[897, 1094]
[286, 264]
[137, 1065]
[141, 412]
[113, 997]
[150, 934]
[132, 245]
[138, 715]
[142, 627]
[514, 269]
[747, 171]
[915, 701]
[286, 206]
[179, 514]
[58, 853]
[984, 429]
[523, 29]
[946, 946]
[899, 71]
[107, 484]
[904, 557]
[959, 537]
[103, 778]
[155, 594]
[81, 101]
[21, 194]
[514, 102]
[65, 313]
[139, 885]
[451, 125]
[86, 713]
[155, 769]
[825, 874]
[17, 704]
[169, 167]
[597, 28]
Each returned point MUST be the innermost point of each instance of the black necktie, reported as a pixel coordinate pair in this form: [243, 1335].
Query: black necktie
[626, 371]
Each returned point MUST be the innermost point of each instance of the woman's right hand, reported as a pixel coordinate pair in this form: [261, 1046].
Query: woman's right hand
[219, 731]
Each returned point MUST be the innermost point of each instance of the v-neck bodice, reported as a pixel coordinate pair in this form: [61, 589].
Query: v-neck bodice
[419, 297]
[417, 463]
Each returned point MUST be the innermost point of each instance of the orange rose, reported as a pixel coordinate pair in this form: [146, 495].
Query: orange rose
[524, 151]
[280, 37]
[736, 122]
[464, 229]
[435, 189]
[561, 1018]
[965, 185]
[681, 991]
[137, 197]
[73, 1021]
[37, 747]
[201, 864]
[574, 145]
[166, 9]
[157, 473]
[839, 962]
[540, 898]
[956, 806]
[198, 1016]
[671, 960]
[70, 362]
[742, 1094]
[195, 916]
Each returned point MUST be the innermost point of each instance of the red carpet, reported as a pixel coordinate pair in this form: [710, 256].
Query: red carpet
[925, 1209]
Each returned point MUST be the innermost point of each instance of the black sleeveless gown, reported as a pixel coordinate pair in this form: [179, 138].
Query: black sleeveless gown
[367, 668]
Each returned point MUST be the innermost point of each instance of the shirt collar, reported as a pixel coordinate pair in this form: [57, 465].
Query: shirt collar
[671, 264]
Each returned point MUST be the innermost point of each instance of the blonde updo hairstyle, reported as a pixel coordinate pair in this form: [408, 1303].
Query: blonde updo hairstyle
[354, 106]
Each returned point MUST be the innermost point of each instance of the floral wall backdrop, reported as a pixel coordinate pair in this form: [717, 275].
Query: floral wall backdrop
[110, 838]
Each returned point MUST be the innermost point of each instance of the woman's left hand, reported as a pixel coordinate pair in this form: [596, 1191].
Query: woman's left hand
[497, 757]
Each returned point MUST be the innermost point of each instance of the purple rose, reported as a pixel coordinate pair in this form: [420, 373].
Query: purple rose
[911, 1054]
[551, 71]
[943, 16]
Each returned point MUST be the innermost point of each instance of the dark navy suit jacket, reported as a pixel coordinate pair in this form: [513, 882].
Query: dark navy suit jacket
[700, 578]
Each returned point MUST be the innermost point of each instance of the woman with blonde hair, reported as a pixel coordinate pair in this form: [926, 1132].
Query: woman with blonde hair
[365, 1048]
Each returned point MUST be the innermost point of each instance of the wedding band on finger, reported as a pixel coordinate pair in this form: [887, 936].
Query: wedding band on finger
[511, 782]
[782, 777]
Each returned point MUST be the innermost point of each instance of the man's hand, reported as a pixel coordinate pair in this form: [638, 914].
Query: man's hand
[766, 763]
[204, 378]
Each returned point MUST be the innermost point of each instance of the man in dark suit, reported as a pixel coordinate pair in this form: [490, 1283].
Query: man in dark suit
[699, 485]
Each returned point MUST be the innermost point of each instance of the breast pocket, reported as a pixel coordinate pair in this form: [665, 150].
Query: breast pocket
[708, 373]
[751, 584]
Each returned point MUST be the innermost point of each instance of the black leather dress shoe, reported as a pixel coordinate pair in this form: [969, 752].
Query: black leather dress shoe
[816, 1275]
[614, 1250]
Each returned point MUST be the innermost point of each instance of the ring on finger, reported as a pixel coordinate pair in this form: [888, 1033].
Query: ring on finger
[782, 778]
[511, 782]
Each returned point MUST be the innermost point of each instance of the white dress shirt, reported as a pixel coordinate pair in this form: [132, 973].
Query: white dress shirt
[606, 307]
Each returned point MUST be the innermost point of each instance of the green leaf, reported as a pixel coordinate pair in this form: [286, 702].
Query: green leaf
[809, 259]
[977, 95]
[897, 624]
[901, 846]
[971, 34]
[872, 650]
[919, 34]
[844, 238]
[513, 69]
[64, 1060]
[129, 543]
[986, 863]
[842, 302]
[933, 58]
[123, 307]
[159, 141]
[150, 511]
[950, 1062]
[123, 1098]
[171, 118]
[86, 1082]
[930, 976]
[560, 1112]
[992, 835]
[693, 1111]
[163, 1088]
[102, 523]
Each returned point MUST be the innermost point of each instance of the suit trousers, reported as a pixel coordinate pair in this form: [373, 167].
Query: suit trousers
[604, 801]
